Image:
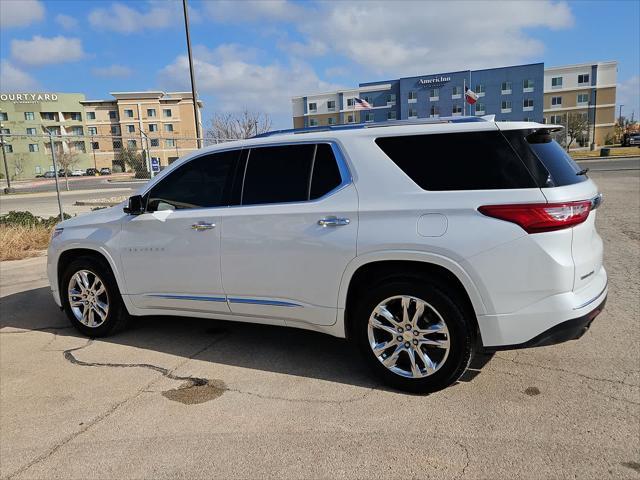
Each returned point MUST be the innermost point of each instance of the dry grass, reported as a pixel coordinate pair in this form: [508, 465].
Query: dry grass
[18, 242]
[615, 152]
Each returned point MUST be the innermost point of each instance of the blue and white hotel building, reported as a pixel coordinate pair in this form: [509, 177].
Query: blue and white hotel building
[509, 93]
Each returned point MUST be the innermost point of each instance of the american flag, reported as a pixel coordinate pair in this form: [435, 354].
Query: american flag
[360, 104]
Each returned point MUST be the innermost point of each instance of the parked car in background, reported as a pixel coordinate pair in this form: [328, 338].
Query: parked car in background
[49, 174]
[77, 172]
[421, 242]
[630, 139]
[91, 172]
[64, 173]
[105, 171]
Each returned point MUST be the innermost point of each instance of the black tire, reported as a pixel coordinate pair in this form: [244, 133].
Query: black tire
[461, 333]
[117, 316]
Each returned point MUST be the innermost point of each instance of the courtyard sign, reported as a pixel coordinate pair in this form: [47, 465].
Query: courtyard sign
[437, 80]
[28, 97]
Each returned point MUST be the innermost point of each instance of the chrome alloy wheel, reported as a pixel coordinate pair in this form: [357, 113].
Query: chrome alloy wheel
[408, 336]
[88, 298]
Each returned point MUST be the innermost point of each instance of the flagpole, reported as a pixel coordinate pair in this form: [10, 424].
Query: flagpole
[464, 97]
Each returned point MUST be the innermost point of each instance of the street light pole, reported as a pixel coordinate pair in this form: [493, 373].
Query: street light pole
[620, 114]
[6, 166]
[193, 80]
[55, 170]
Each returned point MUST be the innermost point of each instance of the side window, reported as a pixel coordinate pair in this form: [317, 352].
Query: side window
[326, 174]
[290, 173]
[201, 183]
[458, 161]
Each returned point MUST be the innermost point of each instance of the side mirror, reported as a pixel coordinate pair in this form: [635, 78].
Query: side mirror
[134, 205]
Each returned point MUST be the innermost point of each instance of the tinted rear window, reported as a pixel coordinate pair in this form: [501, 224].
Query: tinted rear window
[548, 161]
[458, 161]
[326, 174]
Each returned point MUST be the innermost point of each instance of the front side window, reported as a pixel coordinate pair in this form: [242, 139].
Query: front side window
[289, 173]
[475, 161]
[28, 116]
[201, 183]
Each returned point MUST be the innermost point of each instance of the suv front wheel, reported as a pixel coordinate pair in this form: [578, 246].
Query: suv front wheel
[413, 335]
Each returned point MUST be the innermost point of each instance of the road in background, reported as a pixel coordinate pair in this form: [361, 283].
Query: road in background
[612, 164]
[40, 185]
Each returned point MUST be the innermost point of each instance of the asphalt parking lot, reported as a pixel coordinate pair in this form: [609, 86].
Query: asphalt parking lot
[189, 398]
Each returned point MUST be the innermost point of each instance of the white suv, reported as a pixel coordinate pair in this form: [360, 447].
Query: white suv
[420, 242]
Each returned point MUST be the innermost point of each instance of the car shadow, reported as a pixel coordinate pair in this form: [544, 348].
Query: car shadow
[266, 348]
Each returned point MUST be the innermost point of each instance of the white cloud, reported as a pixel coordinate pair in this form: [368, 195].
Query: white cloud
[12, 79]
[124, 19]
[311, 48]
[628, 94]
[41, 51]
[409, 38]
[252, 10]
[112, 71]
[66, 21]
[235, 83]
[20, 13]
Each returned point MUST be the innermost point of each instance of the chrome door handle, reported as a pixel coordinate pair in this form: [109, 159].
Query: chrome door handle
[200, 226]
[333, 222]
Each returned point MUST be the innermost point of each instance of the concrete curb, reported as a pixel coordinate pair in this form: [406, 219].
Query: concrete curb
[95, 204]
[600, 159]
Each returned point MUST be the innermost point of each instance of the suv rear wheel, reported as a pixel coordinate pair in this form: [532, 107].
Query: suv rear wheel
[413, 335]
[91, 298]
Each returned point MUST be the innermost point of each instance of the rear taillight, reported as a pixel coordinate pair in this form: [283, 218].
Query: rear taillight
[540, 217]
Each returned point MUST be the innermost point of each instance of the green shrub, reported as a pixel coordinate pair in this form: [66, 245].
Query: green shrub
[28, 219]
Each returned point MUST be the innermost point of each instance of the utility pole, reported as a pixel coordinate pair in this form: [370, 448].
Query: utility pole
[55, 170]
[620, 115]
[193, 80]
[6, 167]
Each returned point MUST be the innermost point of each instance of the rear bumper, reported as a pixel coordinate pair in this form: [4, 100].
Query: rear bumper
[563, 332]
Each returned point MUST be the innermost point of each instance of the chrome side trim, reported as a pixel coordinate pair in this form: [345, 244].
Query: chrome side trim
[256, 301]
[188, 297]
[593, 299]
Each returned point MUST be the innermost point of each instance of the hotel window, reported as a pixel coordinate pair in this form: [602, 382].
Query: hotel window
[170, 142]
[77, 131]
[505, 106]
[435, 111]
[153, 127]
[151, 112]
[155, 142]
[5, 131]
[93, 131]
[313, 107]
[480, 108]
[368, 99]
[33, 147]
[505, 88]
[391, 115]
[527, 104]
[413, 113]
[28, 116]
[331, 121]
[556, 101]
[480, 90]
[583, 98]
[76, 116]
[8, 148]
[391, 99]
[91, 115]
[79, 146]
[456, 92]
[131, 143]
[331, 104]
[115, 130]
[131, 129]
[368, 117]
[527, 85]
[95, 146]
[413, 97]
[128, 113]
[556, 82]
[51, 116]
[168, 127]
[166, 112]
[313, 122]
[4, 116]
[456, 110]
[117, 144]
[350, 119]
[583, 79]
[31, 131]
[434, 94]
[556, 119]
[113, 114]
[350, 102]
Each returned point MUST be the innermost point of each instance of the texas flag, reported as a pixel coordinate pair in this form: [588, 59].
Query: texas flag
[470, 95]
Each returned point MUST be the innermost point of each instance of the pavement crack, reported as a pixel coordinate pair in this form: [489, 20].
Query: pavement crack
[39, 329]
[468, 459]
[301, 400]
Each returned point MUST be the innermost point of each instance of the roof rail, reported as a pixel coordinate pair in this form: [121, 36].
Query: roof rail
[358, 126]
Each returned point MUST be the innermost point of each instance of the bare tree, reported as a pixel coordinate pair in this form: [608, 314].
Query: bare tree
[18, 166]
[577, 127]
[131, 158]
[66, 161]
[233, 126]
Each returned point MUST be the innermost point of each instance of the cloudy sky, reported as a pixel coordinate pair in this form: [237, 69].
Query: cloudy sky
[257, 54]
